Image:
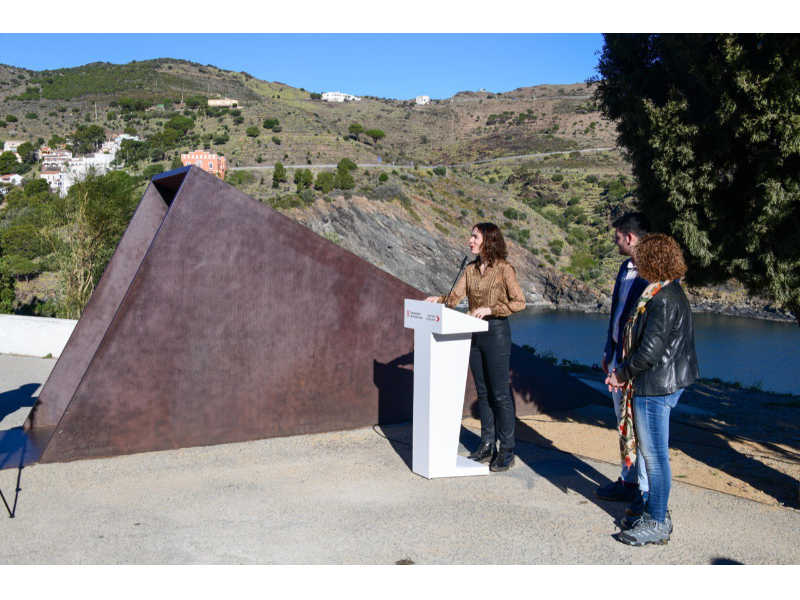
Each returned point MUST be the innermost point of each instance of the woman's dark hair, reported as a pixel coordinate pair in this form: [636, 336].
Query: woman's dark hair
[659, 258]
[494, 246]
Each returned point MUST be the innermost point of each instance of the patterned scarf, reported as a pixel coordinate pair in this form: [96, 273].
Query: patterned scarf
[627, 433]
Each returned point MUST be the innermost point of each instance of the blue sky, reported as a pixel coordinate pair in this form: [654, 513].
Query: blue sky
[388, 65]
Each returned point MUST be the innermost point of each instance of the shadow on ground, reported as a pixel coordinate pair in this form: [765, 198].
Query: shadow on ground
[713, 425]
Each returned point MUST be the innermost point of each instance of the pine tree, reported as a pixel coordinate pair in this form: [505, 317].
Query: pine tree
[709, 124]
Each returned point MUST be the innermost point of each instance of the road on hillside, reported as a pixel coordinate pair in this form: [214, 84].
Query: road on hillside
[411, 165]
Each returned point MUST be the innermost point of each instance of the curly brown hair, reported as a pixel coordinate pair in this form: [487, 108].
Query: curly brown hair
[659, 258]
[494, 245]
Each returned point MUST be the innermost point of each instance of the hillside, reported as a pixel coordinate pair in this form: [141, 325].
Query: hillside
[555, 209]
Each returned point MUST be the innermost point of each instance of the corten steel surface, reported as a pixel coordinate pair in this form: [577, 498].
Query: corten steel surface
[103, 305]
[220, 320]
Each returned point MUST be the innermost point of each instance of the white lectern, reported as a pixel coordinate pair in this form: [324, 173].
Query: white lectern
[442, 339]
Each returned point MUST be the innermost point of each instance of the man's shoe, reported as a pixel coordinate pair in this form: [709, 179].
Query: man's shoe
[484, 452]
[503, 461]
[646, 531]
[616, 492]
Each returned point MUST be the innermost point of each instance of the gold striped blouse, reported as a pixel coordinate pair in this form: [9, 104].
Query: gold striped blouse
[496, 288]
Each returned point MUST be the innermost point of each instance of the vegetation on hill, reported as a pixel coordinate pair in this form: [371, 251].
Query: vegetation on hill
[557, 208]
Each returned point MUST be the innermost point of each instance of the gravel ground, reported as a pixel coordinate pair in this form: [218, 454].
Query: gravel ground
[349, 497]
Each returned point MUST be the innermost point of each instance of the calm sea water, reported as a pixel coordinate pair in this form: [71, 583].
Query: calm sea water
[751, 351]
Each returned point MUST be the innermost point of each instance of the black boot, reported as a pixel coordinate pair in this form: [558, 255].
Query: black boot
[503, 461]
[484, 452]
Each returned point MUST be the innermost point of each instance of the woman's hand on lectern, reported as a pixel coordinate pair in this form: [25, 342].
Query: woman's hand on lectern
[483, 311]
[432, 299]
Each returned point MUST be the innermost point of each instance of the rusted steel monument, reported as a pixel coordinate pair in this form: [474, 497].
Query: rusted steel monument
[220, 320]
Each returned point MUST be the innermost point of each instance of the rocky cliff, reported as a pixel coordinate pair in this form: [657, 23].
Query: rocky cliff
[387, 235]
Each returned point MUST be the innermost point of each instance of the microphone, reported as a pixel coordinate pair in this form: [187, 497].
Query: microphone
[463, 264]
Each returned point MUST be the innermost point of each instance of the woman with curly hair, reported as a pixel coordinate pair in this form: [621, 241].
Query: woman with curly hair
[491, 287]
[659, 361]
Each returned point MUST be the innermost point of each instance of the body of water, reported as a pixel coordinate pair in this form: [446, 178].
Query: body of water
[750, 351]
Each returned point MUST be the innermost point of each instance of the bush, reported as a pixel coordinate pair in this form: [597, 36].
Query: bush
[348, 164]
[557, 177]
[31, 115]
[276, 140]
[383, 177]
[270, 123]
[440, 171]
[151, 170]
[592, 179]
[252, 131]
[388, 193]
[510, 213]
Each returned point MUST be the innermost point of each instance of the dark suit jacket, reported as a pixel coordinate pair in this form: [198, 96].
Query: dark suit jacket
[637, 287]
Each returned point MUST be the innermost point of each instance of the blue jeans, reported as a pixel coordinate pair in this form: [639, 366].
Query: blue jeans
[651, 420]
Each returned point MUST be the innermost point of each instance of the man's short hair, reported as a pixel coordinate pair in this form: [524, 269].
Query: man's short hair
[633, 222]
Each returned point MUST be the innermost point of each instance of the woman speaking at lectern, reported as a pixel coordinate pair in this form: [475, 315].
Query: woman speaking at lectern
[493, 293]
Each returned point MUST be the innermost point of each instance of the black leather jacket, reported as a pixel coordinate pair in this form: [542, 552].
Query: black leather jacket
[663, 359]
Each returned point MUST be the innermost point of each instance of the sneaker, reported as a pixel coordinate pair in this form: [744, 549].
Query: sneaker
[645, 531]
[616, 492]
[628, 522]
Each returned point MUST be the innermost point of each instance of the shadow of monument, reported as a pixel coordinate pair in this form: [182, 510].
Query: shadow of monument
[22, 397]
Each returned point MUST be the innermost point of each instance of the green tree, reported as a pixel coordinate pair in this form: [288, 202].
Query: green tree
[176, 163]
[180, 123]
[326, 181]
[252, 132]
[55, 141]
[356, 129]
[709, 124]
[83, 230]
[270, 123]
[8, 162]
[344, 179]
[88, 138]
[383, 177]
[7, 294]
[151, 170]
[279, 175]
[23, 240]
[20, 267]
[303, 179]
[375, 134]
[11, 118]
[27, 153]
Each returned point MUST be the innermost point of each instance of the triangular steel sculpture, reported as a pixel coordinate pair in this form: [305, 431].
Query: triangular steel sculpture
[220, 320]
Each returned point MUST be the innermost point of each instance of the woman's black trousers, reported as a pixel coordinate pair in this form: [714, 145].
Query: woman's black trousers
[488, 360]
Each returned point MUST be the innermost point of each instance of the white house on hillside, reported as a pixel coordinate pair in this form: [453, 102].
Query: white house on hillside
[11, 179]
[12, 146]
[423, 100]
[339, 97]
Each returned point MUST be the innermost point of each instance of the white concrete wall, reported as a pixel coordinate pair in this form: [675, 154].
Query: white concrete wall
[34, 336]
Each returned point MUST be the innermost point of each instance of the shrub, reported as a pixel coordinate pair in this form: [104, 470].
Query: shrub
[388, 193]
[325, 181]
[510, 213]
[592, 179]
[348, 164]
[11, 118]
[276, 140]
[31, 115]
[383, 177]
[151, 170]
[440, 171]
[557, 177]
[251, 131]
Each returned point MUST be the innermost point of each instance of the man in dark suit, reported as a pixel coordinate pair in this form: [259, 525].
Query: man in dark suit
[628, 230]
